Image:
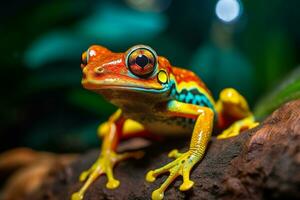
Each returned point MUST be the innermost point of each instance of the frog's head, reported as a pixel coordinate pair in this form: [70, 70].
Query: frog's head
[137, 73]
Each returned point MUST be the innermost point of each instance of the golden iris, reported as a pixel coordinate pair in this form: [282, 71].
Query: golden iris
[141, 62]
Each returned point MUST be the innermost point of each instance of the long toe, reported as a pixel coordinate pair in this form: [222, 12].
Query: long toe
[112, 184]
[77, 196]
[150, 176]
[186, 185]
[157, 195]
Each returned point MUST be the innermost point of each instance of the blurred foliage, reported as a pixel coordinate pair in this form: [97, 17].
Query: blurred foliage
[103, 26]
[43, 104]
[287, 90]
[219, 62]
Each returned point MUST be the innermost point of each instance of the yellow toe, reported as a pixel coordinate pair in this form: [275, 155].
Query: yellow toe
[157, 195]
[77, 196]
[186, 185]
[83, 176]
[150, 177]
[220, 137]
[112, 184]
[173, 153]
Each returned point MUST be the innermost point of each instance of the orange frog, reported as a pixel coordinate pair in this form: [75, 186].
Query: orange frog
[156, 98]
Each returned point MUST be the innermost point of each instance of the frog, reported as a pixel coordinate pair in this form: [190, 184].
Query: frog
[155, 98]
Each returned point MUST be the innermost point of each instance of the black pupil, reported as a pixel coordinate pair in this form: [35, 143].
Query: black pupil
[141, 60]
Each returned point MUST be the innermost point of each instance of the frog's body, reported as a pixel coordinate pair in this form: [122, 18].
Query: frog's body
[156, 98]
[192, 92]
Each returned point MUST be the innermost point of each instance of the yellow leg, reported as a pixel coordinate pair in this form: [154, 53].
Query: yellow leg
[106, 161]
[234, 105]
[103, 128]
[184, 162]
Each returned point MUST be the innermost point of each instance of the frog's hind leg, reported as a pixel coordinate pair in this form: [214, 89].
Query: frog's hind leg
[234, 108]
[237, 127]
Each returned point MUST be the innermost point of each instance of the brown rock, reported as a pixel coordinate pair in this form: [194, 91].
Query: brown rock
[26, 170]
[262, 163]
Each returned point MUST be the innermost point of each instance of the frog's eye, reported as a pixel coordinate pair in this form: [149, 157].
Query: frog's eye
[141, 61]
[87, 56]
[91, 54]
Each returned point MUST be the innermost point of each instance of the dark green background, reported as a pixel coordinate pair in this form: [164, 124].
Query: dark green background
[42, 103]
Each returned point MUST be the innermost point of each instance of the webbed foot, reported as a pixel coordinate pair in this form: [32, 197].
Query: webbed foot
[237, 127]
[104, 165]
[182, 165]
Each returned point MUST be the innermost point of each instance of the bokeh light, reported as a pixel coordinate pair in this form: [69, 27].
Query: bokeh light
[228, 10]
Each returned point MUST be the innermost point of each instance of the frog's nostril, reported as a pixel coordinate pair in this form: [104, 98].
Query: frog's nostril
[99, 70]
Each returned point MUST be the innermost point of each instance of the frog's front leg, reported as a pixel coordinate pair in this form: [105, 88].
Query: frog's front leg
[184, 162]
[111, 131]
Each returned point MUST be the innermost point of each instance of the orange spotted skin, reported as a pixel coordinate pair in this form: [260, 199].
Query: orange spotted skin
[156, 99]
[183, 75]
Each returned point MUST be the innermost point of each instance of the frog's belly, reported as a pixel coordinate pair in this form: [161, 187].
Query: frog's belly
[161, 124]
[159, 128]
[169, 126]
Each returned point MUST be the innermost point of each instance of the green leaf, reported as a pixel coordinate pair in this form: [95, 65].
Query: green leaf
[288, 90]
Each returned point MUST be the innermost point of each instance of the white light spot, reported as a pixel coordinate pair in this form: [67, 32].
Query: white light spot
[92, 52]
[228, 10]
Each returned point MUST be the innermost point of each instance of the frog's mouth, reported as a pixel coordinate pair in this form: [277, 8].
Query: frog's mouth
[131, 88]
[123, 84]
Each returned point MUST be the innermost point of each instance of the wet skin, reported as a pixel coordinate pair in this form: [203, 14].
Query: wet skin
[156, 98]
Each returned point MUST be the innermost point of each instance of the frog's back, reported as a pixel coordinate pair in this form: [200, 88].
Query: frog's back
[189, 88]
[184, 75]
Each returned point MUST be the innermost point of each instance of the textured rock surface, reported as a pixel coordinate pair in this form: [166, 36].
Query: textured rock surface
[262, 163]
